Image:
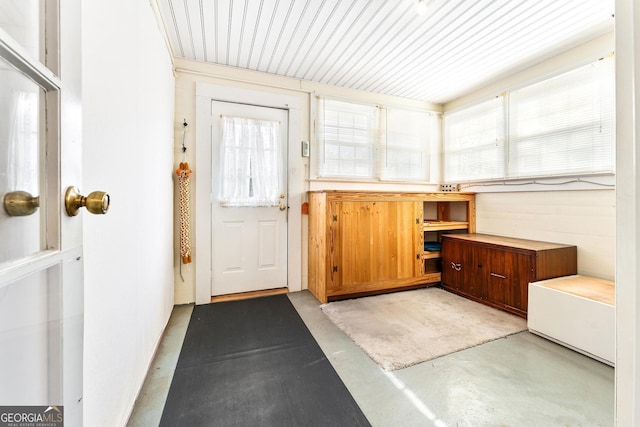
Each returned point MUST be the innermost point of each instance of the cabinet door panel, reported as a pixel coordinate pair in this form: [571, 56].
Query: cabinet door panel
[372, 242]
[499, 275]
[452, 260]
[404, 239]
[461, 267]
[473, 280]
[517, 295]
[508, 279]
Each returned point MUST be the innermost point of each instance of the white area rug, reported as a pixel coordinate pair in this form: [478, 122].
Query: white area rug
[404, 328]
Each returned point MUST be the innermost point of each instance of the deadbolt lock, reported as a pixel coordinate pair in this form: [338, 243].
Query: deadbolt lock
[96, 202]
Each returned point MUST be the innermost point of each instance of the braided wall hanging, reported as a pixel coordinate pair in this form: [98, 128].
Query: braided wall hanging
[183, 173]
[184, 193]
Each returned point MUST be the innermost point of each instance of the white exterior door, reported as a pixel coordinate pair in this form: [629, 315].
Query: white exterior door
[249, 237]
[41, 286]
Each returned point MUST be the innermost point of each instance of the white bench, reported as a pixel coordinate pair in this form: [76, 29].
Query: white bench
[575, 311]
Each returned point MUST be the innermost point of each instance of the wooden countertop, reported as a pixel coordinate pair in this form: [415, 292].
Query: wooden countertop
[511, 242]
[593, 288]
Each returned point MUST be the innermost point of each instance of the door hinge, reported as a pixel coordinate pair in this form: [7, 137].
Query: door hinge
[335, 217]
[335, 268]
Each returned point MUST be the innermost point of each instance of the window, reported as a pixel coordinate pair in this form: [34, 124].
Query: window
[564, 125]
[405, 154]
[360, 141]
[348, 136]
[474, 147]
[251, 167]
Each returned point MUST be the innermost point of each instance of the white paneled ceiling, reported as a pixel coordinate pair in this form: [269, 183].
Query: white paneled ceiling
[383, 46]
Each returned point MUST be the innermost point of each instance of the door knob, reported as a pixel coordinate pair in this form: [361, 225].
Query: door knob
[282, 206]
[96, 202]
[20, 203]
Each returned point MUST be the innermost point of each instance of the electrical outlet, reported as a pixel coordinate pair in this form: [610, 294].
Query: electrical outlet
[448, 188]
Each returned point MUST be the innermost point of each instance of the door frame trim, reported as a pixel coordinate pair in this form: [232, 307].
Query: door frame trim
[205, 93]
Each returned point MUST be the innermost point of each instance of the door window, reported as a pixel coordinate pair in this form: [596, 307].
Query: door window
[29, 128]
[21, 20]
[251, 162]
[20, 160]
[30, 339]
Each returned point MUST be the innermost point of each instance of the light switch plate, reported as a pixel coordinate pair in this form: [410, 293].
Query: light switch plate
[305, 148]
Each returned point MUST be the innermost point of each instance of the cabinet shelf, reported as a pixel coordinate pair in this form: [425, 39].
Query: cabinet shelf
[435, 225]
[431, 255]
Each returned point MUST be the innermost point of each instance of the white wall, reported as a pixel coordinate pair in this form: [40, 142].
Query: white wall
[583, 218]
[128, 103]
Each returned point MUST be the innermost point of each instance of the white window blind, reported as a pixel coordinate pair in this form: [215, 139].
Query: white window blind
[357, 140]
[564, 125]
[406, 148]
[347, 137]
[474, 142]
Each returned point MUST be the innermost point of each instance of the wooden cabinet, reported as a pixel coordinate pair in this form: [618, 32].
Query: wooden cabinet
[496, 270]
[364, 243]
[377, 238]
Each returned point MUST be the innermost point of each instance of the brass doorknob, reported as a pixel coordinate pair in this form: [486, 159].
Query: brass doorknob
[20, 203]
[96, 202]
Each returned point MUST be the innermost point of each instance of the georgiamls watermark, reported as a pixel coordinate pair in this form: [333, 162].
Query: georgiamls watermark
[31, 416]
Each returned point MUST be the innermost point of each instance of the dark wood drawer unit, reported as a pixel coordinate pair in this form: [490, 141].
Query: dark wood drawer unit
[496, 270]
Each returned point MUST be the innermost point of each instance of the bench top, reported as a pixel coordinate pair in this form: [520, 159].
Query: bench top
[584, 286]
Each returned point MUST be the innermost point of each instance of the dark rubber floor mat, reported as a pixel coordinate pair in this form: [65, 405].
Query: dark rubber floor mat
[255, 363]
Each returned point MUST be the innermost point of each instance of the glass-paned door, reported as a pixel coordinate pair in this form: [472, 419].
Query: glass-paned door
[41, 293]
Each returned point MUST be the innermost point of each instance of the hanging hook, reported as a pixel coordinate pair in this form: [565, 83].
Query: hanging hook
[184, 135]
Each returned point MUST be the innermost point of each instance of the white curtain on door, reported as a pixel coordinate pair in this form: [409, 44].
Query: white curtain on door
[250, 162]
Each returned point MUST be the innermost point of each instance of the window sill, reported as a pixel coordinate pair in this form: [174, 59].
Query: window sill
[317, 184]
[559, 183]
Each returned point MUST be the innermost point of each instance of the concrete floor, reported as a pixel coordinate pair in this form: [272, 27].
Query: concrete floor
[150, 403]
[522, 380]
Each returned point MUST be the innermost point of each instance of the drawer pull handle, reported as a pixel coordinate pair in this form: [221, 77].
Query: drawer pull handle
[456, 267]
[498, 275]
